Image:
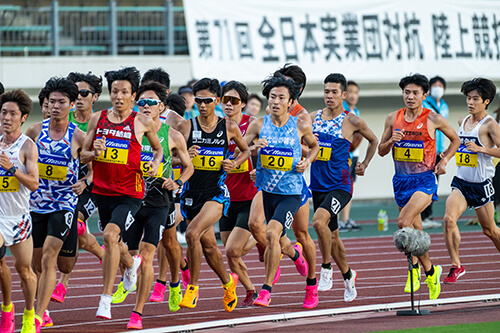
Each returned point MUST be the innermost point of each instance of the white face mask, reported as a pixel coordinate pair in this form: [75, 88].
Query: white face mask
[437, 92]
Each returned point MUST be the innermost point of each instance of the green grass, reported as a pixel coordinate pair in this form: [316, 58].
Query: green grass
[491, 327]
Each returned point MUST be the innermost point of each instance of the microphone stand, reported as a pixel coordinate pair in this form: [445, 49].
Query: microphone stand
[413, 311]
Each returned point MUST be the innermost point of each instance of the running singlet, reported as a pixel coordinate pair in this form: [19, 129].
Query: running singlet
[473, 167]
[239, 184]
[276, 165]
[416, 152]
[15, 197]
[208, 172]
[57, 171]
[117, 171]
[82, 126]
[331, 169]
[155, 195]
[296, 110]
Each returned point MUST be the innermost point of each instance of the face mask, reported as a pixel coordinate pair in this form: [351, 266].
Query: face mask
[437, 92]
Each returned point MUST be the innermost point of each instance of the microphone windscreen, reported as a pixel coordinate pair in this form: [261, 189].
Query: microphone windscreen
[412, 241]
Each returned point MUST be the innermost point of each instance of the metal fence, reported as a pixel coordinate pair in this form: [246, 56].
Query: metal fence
[93, 30]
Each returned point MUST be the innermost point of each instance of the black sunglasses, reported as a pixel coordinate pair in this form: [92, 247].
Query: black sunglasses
[85, 92]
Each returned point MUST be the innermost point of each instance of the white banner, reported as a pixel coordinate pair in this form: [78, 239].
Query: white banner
[367, 40]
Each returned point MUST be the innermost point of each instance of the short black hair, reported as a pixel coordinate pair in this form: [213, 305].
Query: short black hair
[352, 83]
[130, 74]
[437, 79]
[337, 78]
[278, 80]
[296, 73]
[157, 74]
[240, 88]
[255, 96]
[94, 81]
[2, 89]
[159, 89]
[484, 87]
[206, 83]
[417, 79]
[62, 85]
[177, 103]
[19, 97]
[42, 96]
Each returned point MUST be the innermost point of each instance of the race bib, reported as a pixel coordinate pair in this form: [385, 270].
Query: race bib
[176, 171]
[276, 158]
[465, 158]
[409, 151]
[116, 152]
[325, 150]
[9, 184]
[209, 159]
[243, 167]
[147, 157]
[53, 168]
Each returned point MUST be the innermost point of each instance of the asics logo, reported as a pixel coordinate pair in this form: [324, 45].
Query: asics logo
[420, 126]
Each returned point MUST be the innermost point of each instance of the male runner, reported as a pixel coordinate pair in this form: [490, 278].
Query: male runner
[331, 183]
[205, 197]
[113, 142]
[157, 212]
[18, 177]
[53, 205]
[471, 187]
[410, 134]
[279, 174]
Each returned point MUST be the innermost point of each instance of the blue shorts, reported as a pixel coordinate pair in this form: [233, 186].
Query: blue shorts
[405, 185]
[476, 194]
[192, 201]
[281, 208]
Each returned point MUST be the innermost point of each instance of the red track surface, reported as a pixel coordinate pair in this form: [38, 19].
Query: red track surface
[382, 273]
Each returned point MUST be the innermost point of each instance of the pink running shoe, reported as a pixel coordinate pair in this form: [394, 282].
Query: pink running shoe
[104, 248]
[264, 298]
[46, 320]
[38, 324]
[135, 321]
[455, 273]
[7, 323]
[186, 276]
[158, 294]
[311, 300]
[300, 263]
[277, 276]
[82, 227]
[59, 293]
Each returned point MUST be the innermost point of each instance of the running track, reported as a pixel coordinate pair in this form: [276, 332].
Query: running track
[382, 273]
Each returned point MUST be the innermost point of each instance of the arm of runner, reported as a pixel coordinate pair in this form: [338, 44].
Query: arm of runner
[177, 144]
[80, 185]
[389, 136]
[449, 132]
[252, 134]
[28, 153]
[310, 140]
[234, 134]
[364, 132]
[494, 133]
[150, 133]
[92, 148]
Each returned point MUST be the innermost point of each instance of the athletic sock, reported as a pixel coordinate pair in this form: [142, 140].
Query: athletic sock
[416, 266]
[29, 313]
[7, 308]
[296, 255]
[230, 283]
[430, 272]
[174, 285]
[326, 266]
[311, 282]
[266, 287]
[185, 268]
[162, 282]
[140, 314]
[347, 275]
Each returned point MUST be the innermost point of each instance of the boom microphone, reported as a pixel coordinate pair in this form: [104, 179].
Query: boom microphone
[412, 241]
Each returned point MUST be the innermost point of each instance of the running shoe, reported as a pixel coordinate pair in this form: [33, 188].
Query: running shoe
[455, 273]
[349, 225]
[300, 263]
[7, 323]
[174, 298]
[120, 294]
[46, 320]
[261, 251]
[186, 276]
[158, 294]
[311, 300]
[81, 227]
[350, 292]
[190, 297]
[264, 298]
[104, 310]
[428, 223]
[130, 275]
[249, 299]
[416, 280]
[135, 321]
[230, 299]
[326, 279]
[38, 325]
[433, 282]
[59, 293]
[29, 324]
[277, 276]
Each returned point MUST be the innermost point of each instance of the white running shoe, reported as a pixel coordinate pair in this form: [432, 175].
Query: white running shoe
[130, 276]
[104, 310]
[350, 292]
[326, 279]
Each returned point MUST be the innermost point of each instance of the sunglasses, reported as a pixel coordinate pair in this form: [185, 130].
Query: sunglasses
[85, 92]
[233, 100]
[206, 100]
[150, 102]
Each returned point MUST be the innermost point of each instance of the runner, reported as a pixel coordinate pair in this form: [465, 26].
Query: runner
[53, 205]
[472, 187]
[158, 211]
[18, 176]
[331, 183]
[113, 143]
[410, 134]
[279, 172]
[205, 197]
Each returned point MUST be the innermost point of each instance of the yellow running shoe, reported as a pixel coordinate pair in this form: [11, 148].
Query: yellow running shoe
[433, 282]
[416, 280]
[174, 298]
[120, 294]
[230, 299]
[29, 321]
[190, 297]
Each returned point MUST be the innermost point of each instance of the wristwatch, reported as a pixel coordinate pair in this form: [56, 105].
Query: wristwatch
[12, 170]
[179, 182]
[87, 182]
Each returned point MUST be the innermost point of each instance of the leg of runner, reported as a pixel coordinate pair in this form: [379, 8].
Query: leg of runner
[486, 218]
[256, 220]
[300, 228]
[145, 279]
[22, 253]
[455, 206]
[236, 243]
